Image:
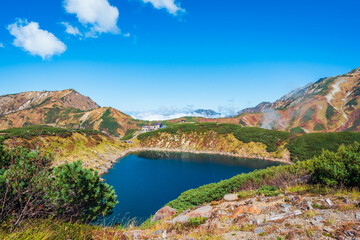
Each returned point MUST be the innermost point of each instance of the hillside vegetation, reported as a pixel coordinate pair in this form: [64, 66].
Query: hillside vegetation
[332, 174]
[96, 150]
[253, 142]
[32, 188]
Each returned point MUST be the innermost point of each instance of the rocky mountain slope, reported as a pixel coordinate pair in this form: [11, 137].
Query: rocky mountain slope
[66, 108]
[328, 105]
[28, 100]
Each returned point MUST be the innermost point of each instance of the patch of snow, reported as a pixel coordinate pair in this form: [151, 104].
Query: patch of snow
[85, 117]
[306, 130]
[342, 110]
[335, 89]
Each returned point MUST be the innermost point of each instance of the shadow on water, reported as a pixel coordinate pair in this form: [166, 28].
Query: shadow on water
[146, 181]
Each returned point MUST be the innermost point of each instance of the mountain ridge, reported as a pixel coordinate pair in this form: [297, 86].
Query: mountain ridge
[67, 108]
[329, 104]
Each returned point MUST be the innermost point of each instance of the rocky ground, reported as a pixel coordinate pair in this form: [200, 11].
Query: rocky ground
[285, 216]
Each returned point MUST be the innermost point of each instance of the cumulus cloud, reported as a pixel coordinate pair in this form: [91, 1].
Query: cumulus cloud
[71, 29]
[165, 113]
[98, 15]
[34, 40]
[169, 5]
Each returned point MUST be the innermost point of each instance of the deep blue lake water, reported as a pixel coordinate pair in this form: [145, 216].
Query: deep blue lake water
[144, 182]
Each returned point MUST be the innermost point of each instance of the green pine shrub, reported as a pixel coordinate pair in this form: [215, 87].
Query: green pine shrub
[78, 193]
[269, 191]
[341, 168]
[196, 222]
[109, 123]
[275, 176]
[297, 130]
[31, 188]
[310, 145]
[272, 139]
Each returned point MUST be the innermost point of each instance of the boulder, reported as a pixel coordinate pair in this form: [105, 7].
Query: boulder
[205, 211]
[285, 215]
[259, 230]
[180, 219]
[231, 197]
[328, 201]
[245, 209]
[164, 213]
[158, 232]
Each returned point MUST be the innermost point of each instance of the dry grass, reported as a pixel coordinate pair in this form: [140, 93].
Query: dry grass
[53, 229]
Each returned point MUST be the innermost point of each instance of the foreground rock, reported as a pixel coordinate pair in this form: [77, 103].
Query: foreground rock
[245, 209]
[293, 216]
[205, 211]
[231, 197]
[164, 213]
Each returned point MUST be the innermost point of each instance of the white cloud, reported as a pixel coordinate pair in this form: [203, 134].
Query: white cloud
[169, 5]
[1, 45]
[98, 15]
[35, 40]
[71, 29]
[164, 113]
[127, 35]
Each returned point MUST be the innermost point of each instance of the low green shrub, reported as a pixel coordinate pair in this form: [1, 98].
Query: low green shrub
[129, 134]
[196, 222]
[276, 176]
[223, 128]
[297, 130]
[246, 194]
[319, 127]
[39, 130]
[79, 193]
[272, 139]
[269, 191]
[31, 188]
[109, 123]
[341, 168]
[309, 145]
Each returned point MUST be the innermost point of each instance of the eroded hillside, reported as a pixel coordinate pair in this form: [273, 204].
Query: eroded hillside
[328, 105]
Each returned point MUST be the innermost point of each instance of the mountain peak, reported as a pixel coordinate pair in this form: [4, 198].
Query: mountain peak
[329, 104]
[68, 98]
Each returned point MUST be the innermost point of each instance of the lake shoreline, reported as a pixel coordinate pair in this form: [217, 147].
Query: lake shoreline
[145, 149]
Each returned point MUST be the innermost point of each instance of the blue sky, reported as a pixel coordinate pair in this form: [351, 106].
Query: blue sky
[162, 56]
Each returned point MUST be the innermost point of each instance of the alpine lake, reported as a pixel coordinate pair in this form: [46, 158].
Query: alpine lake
[145, 181]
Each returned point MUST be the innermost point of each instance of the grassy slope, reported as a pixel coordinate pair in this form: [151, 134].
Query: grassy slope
[92, 147]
